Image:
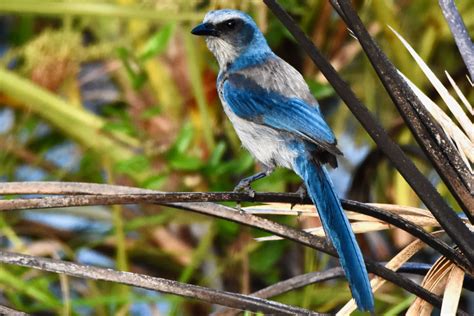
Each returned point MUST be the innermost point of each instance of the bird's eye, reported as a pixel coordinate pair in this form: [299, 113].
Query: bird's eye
[230, 24]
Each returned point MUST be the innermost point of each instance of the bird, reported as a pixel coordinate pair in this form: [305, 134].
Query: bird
[279, 122]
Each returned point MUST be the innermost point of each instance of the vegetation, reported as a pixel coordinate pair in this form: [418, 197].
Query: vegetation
[120, 92]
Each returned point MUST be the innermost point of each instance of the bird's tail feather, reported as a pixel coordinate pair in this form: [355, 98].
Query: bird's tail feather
[337, 227]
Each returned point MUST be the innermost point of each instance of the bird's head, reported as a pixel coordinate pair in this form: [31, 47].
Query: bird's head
[231, 34]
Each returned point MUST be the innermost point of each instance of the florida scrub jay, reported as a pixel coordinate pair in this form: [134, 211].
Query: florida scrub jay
[279, 122]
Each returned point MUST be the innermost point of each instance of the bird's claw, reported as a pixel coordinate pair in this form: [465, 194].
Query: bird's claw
[303, 194]
[244, 187]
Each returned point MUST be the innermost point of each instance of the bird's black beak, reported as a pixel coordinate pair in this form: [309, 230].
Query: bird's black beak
[205, 29]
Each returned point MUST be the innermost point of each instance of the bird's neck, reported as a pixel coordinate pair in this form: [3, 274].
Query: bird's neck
[251, 57]
[254, 54]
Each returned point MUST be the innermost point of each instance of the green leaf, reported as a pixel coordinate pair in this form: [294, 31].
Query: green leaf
[155, 182]
[268, 254]
[133, 165]
[183, 141]
[217, 154]
[144, 221]
[150, 112]
[120, 126]
[319, 90]
[158, 42]
[135, 73]
[186, 163]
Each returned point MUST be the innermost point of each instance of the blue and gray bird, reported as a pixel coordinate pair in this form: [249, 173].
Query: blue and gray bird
[279, 122]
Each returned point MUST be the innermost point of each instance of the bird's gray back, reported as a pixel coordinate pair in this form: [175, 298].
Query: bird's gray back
[278, 76]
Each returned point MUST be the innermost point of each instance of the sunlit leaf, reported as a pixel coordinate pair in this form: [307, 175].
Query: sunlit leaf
[158, 42]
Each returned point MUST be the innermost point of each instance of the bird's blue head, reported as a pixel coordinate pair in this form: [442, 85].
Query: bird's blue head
[233, 37]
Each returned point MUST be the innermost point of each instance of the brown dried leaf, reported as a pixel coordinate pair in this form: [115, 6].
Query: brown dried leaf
[452, 292]
[435, 282]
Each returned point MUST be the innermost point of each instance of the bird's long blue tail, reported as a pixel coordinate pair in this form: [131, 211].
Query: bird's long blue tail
[337, 227]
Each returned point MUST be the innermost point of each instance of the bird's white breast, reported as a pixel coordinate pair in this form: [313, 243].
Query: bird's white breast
[267, 145]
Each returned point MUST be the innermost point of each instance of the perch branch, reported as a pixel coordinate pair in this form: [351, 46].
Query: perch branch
[123, 193]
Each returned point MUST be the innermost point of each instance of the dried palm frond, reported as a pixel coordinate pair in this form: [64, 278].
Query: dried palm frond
[444, 276]
[462, 136]
[360, 223]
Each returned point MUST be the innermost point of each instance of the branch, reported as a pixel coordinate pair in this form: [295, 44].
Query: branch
[11, 312]
[231, 214]
[123, 194]
[423, 188]
[152, 283]
[460, 34]
[291, 284]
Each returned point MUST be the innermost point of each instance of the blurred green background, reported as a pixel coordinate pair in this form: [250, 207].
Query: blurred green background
[120, 92]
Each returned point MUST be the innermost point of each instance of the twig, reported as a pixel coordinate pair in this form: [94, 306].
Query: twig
[172, 197]
[231, 214]
[11, 312]
[460, 34]
[152, 283]
[289, 285]
[424, 189]
[123, 194]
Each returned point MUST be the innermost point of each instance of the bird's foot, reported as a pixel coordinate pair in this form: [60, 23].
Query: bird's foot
[303, 194]
[244, 187]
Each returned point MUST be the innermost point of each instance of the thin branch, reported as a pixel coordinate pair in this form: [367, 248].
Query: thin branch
[123, 194]
[231, 214]
[152, 283]
[420, 184]
[460, 34]
[291, 284]
[11, 312]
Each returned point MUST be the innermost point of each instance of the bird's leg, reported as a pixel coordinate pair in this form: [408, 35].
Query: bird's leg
[244, 184]
[302, 192]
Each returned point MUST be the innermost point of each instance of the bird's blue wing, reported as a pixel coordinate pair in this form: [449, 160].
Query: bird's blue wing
[250, 101]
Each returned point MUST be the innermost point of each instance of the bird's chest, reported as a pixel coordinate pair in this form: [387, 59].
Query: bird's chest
[267, 145]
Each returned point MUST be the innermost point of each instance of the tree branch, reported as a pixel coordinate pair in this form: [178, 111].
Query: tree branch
[123, 194]
[152, 283]
[291, 284]
[11, 312]
[424, 189]
[231, 214]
